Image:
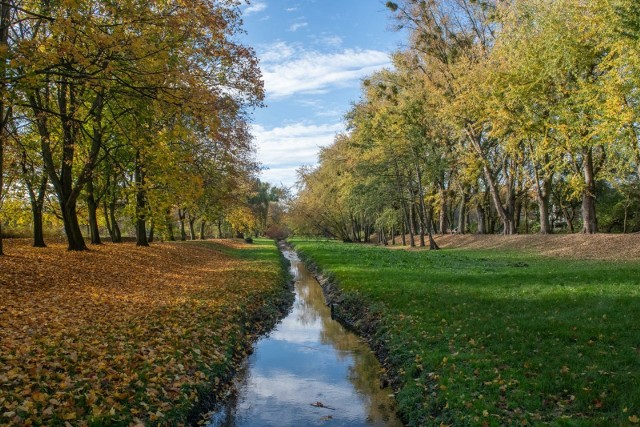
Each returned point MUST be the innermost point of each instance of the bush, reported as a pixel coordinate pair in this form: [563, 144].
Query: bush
[277, 232]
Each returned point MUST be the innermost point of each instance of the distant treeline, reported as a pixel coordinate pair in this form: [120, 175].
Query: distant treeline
[498, 117]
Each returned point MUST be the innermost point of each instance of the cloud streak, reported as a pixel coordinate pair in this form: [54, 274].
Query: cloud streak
[283, 149]
[288, 71]
[295, 27]
[255, 8]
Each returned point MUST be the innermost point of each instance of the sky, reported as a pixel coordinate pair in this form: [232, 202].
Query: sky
[313, 55]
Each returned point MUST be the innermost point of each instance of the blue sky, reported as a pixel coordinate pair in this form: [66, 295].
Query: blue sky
[313, 55]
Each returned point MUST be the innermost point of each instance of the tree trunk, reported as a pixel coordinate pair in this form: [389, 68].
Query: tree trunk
[182, 214]
[422, 234]
[404, 232]
[462, 214]
[141, 203]
[183, 231]
[203, 229]
[480, 216]
[92, 206]
[36, 200]
[543, 208]
[2, 137]
[38, 229]
[444, 223]
[75, 241]
[152, 228]
[589, 220]
[219, 226]
[114, 223]
[192, 230]
[172, 237]
[105, 211]
[5, 17]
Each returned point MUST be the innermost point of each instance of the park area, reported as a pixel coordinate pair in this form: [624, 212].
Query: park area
[496, 330]
[123, 335]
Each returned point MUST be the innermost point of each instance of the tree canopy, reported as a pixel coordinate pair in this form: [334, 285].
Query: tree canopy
[508, 117]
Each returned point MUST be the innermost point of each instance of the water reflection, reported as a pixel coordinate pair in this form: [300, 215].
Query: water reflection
[308, 371]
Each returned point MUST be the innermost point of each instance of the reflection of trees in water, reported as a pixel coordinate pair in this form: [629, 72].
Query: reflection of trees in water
[310, 304]
[364, 374]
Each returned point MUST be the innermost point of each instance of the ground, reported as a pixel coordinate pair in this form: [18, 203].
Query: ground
[577, 246]
[124, 335]
[496, 330]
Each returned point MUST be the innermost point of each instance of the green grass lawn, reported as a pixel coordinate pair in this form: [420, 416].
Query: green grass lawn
[500, 337]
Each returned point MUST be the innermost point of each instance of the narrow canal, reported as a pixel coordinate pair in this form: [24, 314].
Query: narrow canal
[309, 371]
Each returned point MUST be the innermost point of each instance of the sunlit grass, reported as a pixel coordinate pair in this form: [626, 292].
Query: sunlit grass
[501, 337]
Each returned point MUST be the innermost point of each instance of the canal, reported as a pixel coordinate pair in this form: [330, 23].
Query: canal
[310, 370]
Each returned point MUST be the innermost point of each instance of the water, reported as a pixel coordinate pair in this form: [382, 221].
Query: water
[309, 371]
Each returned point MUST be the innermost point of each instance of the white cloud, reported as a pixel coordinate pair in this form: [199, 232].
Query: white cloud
[276, 52]
[255, 8]
[283, 149]
[295, 27]
[334, 41]
[314, 72]
[291, 9]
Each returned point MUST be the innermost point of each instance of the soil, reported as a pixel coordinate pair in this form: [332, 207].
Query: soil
[619, 247]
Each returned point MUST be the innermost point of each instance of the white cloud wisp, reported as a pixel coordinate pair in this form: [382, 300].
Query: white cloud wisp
[288, 72]
[284, 149]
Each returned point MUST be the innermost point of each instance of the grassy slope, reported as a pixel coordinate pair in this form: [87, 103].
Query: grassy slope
[123, 335]
[501, 336]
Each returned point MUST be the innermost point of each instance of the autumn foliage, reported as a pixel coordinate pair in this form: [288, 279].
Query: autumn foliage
[125, 335]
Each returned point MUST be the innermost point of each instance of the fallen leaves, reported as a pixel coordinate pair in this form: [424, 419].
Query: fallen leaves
[120, 334]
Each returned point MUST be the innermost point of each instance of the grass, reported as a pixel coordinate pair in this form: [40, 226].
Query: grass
[124, 336]
[499, 337]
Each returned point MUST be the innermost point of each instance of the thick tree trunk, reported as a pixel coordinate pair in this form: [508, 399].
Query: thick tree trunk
[75, 241]
[589, 220]
[219, 226]
[38, 229]
[404, 233]
[203, 224]
[141, 232]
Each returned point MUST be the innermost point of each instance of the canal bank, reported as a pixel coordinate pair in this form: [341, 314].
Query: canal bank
[310, 370]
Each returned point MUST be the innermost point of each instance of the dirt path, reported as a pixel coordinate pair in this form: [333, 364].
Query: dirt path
[599, 246]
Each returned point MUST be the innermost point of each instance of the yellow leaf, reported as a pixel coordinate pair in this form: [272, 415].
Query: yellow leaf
[633, 419]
